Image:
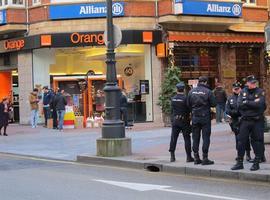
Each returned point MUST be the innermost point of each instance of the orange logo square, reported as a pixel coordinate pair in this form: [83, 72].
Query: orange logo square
[148, 37]
[46, 40]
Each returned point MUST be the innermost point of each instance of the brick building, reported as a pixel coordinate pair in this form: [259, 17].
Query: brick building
[56, 42]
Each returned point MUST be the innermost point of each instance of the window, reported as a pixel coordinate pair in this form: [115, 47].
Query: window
[36, 2]
[250, 1]
[17, 2]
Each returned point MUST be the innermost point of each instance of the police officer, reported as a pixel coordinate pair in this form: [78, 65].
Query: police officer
[251, 105]
[200, 100]
[180, 122]
[232, 112]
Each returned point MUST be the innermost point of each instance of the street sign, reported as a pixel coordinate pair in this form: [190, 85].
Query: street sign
[117, 36]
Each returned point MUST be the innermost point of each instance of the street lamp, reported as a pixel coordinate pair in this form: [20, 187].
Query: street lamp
[113, 141]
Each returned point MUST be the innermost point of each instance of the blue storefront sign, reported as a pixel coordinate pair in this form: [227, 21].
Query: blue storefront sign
[89, 10]
[208, 8]
[3, 17]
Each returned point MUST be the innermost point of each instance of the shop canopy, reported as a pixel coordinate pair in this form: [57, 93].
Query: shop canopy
[215, 37]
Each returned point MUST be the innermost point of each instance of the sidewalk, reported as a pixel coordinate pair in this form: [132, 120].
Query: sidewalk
[149, 146]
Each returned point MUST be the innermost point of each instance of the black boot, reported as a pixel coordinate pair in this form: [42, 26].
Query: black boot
[172, 157]
[255, 165]
[5, 134]
[248, 158]
[197, 159]
[238, 165]
[206, 161]
[189, 157]
[263, 159]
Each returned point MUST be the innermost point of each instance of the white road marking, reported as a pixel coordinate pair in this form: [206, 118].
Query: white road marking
[148, 187]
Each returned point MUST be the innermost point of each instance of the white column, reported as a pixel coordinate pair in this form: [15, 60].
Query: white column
[156, 77]
[148, 76]
[25, 85]
[42, 59]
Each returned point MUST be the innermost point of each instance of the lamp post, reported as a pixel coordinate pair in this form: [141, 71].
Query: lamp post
[113, 141]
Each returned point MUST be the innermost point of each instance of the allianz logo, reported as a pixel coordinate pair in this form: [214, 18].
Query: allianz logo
[117, 9]
[235, 9]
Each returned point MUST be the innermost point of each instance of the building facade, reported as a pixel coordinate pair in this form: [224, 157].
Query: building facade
[56, 42]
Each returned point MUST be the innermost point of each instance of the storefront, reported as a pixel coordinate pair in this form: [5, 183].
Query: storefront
[223, 57]
[65, 60]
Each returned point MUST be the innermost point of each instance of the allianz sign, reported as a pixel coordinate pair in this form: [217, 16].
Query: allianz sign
[235, 9]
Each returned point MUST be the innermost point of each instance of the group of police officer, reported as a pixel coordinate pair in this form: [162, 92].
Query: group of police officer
[245, 109]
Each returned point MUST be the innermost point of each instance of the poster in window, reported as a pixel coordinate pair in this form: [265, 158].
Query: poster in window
[144, 86]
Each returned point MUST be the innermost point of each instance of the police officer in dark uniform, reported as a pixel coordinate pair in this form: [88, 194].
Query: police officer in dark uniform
[200, 100]
[232, 112]
[180, 122]
[251, 105]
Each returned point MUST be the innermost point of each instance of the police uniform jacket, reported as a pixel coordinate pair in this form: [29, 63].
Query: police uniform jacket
[180, 111]
[200, 100]
[251, 103]
[231, 107]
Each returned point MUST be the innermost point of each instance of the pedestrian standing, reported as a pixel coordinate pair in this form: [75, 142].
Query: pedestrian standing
[53, 109]
[234, 116]
[4, 116]
[180, 119]
[123, 107]
[200, 100]
[251, 105]
[34, 100]
[47, 98]
[221, 98]
[60, 105]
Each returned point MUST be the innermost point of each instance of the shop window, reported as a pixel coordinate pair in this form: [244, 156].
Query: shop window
[196, 59]
[247, 62]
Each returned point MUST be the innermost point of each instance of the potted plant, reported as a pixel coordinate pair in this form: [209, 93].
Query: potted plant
[168, 90]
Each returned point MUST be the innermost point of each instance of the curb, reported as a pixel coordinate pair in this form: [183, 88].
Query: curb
[183, 170]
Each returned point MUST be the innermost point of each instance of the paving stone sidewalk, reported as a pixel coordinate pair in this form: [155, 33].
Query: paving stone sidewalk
[149, 145]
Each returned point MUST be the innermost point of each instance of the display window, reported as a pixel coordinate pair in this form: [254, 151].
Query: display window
[72, 68]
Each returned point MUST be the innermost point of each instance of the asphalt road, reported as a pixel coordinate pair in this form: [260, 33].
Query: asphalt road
[24, 178]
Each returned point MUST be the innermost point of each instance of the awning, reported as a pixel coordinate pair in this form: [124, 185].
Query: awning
[215, 37]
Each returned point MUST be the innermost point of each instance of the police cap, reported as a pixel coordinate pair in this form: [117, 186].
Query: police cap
[203, 79]
[251, 79]
[236, 85]
[180, 85]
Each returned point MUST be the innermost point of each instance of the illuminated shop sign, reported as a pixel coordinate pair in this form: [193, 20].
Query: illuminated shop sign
[77, 38]
[3, 17]
[208, 8]
[14, 44]
[89, 10]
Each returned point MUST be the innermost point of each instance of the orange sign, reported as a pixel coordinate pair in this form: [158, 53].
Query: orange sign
[161, 50]
[14, 44]
[148, 37]
[46, 40]
[77, 38]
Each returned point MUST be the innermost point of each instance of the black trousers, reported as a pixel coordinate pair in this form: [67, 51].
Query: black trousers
[185, 128]
[251, 129]
[47, 113]
[54, 116]
[202, 127]
[235, 126]
[123, 112]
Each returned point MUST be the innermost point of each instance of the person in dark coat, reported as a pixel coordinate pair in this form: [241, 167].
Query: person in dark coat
[200, 100]
[123, 107]
[60, 103]
[4, 116]
[221, 98]
[53, 110]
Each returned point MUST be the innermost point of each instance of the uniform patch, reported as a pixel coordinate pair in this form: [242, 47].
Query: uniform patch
[245, 94]
[263, 93]
[256, 96]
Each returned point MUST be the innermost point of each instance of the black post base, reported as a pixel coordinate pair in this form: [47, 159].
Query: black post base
[113, 129]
